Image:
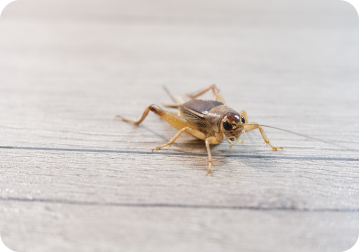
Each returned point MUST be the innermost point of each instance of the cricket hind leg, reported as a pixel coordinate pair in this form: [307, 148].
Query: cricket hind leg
[256, 126]
[172, 119]
[216, 93]
[144, 115]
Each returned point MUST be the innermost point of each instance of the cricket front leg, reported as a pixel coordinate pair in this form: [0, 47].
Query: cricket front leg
[217, 95]
[188, 130]
[266, 139]
[250, 127]
[210, 140]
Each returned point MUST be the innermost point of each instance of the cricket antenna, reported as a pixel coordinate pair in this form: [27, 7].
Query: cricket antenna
[306, 136]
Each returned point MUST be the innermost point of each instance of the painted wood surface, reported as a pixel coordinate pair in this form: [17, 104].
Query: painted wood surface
[73, 178]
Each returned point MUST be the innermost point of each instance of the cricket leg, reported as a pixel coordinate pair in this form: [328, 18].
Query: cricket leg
[187, 130]
[175, 121]
[266, 139]
[217, 96]
[210, 140]
[147, 110]
[256, 126]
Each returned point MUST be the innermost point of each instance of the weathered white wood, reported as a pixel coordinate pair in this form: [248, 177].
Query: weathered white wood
[166, 179]
[62, 227]
[72, 178]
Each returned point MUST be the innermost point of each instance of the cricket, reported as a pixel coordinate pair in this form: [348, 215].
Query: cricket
[208, 120]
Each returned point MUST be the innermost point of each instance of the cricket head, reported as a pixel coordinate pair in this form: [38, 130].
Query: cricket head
[232, 125]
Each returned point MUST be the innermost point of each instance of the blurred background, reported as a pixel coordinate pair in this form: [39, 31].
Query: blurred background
[262, 44]
[267, 51]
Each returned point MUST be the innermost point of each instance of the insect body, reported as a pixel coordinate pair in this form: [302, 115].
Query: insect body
[208, 120]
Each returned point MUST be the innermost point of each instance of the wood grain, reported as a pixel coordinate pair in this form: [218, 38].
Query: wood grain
[73, 178]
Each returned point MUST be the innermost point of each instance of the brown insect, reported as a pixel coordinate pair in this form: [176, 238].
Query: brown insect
[208, 120]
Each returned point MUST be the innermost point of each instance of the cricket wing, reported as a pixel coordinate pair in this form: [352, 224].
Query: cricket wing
[195, 112]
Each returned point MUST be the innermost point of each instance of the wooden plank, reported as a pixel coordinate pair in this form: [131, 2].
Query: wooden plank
[73, 178]
[59, 227]
[297, 184]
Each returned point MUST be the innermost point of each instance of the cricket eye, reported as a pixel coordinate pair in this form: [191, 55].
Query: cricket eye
[227, 125]
[243, 120]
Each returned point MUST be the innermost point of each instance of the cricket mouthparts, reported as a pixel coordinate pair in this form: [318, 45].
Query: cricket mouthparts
[233, 139]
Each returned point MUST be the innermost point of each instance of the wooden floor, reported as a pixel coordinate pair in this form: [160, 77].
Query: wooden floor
[73, 178]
